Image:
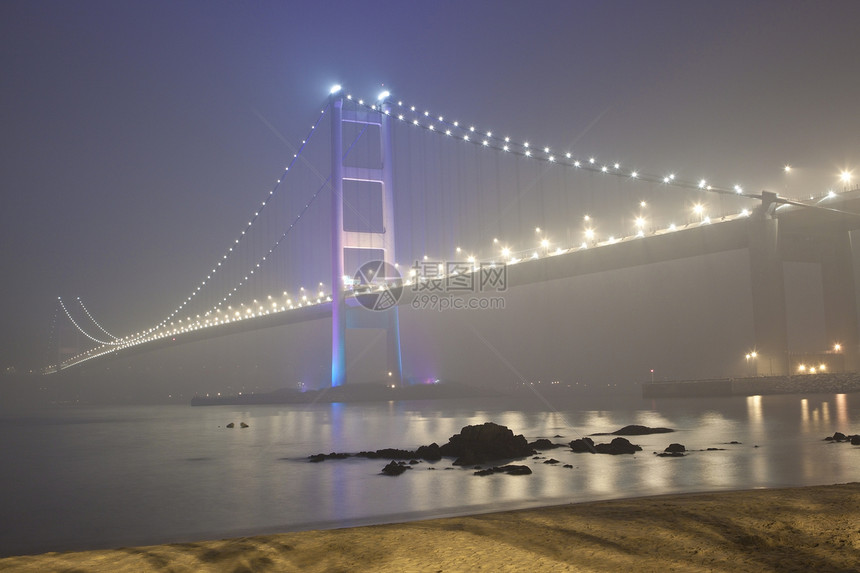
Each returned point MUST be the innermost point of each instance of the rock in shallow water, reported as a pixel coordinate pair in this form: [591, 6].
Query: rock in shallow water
[617, 446]
[582, 446]
[395, 468]
[637, 430]
[511, 470]
[485, 442]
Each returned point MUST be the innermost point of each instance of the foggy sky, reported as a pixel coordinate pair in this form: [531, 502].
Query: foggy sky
[137, 136]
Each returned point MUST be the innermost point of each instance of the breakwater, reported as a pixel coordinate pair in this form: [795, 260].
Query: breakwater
[836, 382]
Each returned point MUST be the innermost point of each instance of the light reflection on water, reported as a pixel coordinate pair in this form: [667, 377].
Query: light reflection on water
[96, 477]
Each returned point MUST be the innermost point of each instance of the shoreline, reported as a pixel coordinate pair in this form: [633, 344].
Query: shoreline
[797, 528]
[821, 383]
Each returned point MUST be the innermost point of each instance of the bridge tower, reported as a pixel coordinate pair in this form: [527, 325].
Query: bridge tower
[828, 244]
[770, 323]
[380, 180]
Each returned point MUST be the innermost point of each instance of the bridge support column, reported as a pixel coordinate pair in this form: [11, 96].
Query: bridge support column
[338, 303]
[768, 290]
[840, 302]
[395, 360]
[368, 240]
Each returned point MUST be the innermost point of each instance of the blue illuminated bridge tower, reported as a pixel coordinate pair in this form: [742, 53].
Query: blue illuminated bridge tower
[369, 242]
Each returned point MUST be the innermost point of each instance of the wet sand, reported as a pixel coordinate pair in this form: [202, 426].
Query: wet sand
[793, 529]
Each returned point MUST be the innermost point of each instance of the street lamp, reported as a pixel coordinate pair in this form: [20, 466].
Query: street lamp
[845, 177]
[589, 235]
[751, 356]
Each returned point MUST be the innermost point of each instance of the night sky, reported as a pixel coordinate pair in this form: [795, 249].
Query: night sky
[136, 136]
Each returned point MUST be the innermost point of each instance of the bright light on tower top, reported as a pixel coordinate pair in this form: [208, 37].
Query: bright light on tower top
[383, 95]
[334, 89]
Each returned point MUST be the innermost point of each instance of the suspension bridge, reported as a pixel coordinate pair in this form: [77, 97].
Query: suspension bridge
[385, 206]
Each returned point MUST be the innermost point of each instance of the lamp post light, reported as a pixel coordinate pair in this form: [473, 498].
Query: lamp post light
[845, 176]
[750, 357]
[589, 236]
[545, 244]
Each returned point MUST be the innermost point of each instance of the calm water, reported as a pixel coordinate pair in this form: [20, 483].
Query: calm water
[88, 477]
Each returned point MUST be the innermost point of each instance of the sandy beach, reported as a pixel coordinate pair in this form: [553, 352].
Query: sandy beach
[792, 529]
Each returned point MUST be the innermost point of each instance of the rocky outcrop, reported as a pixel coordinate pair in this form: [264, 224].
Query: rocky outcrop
[636, 430]
[511, 470]
[544, 444]
[316, 458]
[473, 445]
[395, 468]
[388, 453]
[430, 453]
[673, 451]
[840, 437]
[617, 446]
[485, 442]
[582, 446]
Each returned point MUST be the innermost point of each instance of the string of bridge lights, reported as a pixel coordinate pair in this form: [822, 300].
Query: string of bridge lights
[438, 124]
[450, 129]
[94, 320]
[260, 264]
[247, 228]
[216, 308]
[130, 340]
[283, 236]
[84, 332]
[422, 120]
[508, 256]
[54, 331]
[80, 358]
